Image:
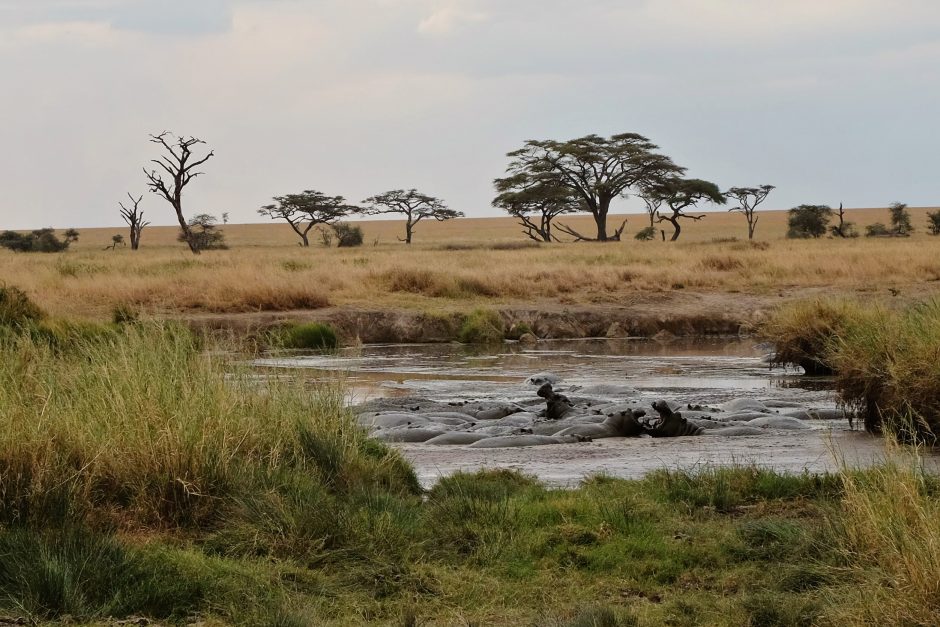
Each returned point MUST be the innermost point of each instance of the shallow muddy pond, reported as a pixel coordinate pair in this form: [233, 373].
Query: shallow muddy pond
[701, 373]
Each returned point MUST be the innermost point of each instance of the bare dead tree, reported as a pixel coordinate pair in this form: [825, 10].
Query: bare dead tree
[180, 165]
[134, 217]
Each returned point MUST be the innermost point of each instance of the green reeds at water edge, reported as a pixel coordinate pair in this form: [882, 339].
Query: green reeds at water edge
[886, 362]
[143, 475]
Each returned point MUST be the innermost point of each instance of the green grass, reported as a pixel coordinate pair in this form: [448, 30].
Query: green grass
[482, 326]
[141, 475]
[885, 360]
[308, 336]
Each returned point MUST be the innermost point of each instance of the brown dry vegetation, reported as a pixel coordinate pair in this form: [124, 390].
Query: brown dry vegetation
[463, 264]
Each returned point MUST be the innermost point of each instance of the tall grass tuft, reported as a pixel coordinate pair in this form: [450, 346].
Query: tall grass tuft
[802, 333]
[16, 308]
[889, 527]
[140, 428]
[482, 326]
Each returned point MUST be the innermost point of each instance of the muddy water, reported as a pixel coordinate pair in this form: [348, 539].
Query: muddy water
[705, 372]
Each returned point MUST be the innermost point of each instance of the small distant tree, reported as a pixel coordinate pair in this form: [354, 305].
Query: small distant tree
[900, 220]
[307, 210]
[933, 222]
[203, 233]
[225, 217]
[38, 241]
[808, 221]
[116, 240]
[535, 203]
[646, 234]
[653, 204]
[748, 198]
[681, 194]
[347, 235]
[413, 205]
[843, 229]
[180, 165]
[134, 217]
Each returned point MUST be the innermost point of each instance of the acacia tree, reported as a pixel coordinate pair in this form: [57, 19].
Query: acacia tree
[595, 169]
[535, 203]
[134, 217]
[900, 219]
[748, 198]
[308, 209]
[680, 194]
[179, 164]
[412, 204]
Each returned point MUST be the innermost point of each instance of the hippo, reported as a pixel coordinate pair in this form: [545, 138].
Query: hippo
[509, 441]
[391, 421]
[620, 425]
[454, 438]
[745, 404]
[779, 422]
[736, 431]
[542, 378]
[551, 427]
[671, 423]
[558, 404]
[409, 435]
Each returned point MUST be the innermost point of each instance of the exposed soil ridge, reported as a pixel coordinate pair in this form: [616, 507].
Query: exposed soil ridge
[682, 315]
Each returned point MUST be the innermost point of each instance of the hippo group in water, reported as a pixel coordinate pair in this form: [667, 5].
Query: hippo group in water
[554, 418]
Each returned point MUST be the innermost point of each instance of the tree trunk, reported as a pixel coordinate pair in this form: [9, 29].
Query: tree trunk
[305, 240]
[600, 219]
[408, 228]
[677, 229]
[187, 232]
[750, 230]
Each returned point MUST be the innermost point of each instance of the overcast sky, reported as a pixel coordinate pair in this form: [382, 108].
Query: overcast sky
[830, 100]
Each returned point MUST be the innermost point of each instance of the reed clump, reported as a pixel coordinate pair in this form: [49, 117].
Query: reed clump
[138, 428]
[885, 361]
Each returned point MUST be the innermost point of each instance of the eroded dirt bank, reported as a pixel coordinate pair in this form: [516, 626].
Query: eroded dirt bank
[681, 313]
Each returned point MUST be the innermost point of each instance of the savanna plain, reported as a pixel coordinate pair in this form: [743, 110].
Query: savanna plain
[149, 474]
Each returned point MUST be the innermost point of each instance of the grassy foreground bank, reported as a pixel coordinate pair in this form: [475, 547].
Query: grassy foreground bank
[143, 475]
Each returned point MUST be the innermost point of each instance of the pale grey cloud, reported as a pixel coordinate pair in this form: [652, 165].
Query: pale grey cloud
[831, 101]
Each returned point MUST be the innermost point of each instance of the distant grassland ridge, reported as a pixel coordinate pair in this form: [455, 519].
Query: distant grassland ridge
[464, 264]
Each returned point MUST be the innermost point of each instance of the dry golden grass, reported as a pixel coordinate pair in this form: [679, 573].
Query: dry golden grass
[463, 263]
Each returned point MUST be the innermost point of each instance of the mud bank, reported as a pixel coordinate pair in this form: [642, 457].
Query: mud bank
[567, 465]
[682, 314]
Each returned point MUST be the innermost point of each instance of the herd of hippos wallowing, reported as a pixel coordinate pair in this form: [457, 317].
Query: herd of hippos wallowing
[554, 418]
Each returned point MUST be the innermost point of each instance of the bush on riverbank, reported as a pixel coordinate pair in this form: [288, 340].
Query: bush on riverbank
[885, 361]
[482, 326]
[309, 336]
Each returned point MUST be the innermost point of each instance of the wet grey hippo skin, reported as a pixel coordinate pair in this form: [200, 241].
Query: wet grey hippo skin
[619, 425]
[404, 434]
[508, 441]
[456, 438]
[558, 404]
[735, 431]
[671, 423]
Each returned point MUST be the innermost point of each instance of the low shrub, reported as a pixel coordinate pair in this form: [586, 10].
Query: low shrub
[347, 235]
[16, 308]
[309, 336]
[482, 326]
[645, 235]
